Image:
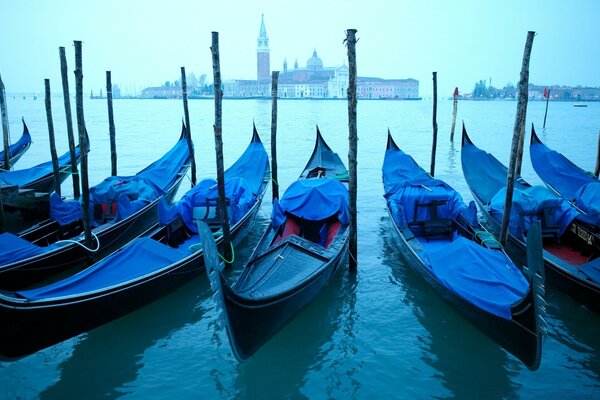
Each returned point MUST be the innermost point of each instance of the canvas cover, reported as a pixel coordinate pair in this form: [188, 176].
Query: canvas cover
[243, 182]
[483, 277]
[139, 190]
[24, 177]
[313, 199]
[138, 258]
[591, 270]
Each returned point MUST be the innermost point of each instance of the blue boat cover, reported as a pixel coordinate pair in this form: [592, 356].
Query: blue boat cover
[483, 277]
[14, 248]
[243, 182]
[531, 203]
[572, 182]
[484, 173]
[313, 199]
[24, 177]
[13, 149]
[592, 270]
[129, 193]
[140, 257]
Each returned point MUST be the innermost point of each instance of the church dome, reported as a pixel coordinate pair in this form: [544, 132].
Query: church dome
[314, 62]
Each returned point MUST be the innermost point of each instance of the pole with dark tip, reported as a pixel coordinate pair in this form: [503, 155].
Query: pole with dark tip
[521, 113]
[186, 114]
[435, 125]
[597, 169]
[51, 137]
[353, 146]
[67, 99]
[546, 113]
[83, 146]
[274, 80]
[5, 127]
[111, 126]
[454, 108]
[219, 146]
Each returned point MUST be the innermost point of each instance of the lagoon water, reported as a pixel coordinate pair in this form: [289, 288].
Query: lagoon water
[379, 333]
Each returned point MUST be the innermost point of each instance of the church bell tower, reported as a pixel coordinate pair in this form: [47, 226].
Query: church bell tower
[263, 67]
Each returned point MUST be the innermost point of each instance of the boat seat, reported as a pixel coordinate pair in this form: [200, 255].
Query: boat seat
[176, 232]
[105, 212]
[548, 230]
[209, 213]
[289, 228]
[329, 231]
[311, 230]
[434, 226]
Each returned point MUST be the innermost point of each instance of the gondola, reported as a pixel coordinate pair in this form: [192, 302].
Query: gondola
[121, 208]
[140, 272]
[16, 150]
[570, 254]
[566, 179]
[442, 240]
[301, 250]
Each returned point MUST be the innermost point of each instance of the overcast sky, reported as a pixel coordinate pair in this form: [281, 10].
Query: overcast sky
[144, 43]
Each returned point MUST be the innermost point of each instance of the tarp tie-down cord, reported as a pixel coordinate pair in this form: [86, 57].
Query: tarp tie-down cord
[197, 246]
[488, 240]
[82, 245]
[67, 170]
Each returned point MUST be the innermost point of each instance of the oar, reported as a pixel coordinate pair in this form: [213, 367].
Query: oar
[211, 256]
[536, 274]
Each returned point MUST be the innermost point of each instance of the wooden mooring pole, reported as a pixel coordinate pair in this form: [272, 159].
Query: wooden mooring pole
[275, 182]
[353, 146]
[186, 114]
[519, 160]
[111, 125]
[83, 145]
[597, 169]
[227, 247]
[435, 125]
[521, 114]
[547, 93]
[51, 137]
[454, 108]
[5, 126]
[67, 99]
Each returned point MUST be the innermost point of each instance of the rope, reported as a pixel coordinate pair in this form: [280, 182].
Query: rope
[82, 245]
[232, 255]
[275, 181]
[352, 257]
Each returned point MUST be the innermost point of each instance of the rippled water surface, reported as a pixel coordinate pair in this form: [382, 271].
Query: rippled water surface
[379, 333]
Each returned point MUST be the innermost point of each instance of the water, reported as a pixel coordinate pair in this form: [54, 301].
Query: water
[382, 333]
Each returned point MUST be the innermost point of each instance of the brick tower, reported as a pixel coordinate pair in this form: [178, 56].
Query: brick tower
[263, 67]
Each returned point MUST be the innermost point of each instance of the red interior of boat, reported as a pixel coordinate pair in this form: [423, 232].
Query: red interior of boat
[293, 227]
[566, 253]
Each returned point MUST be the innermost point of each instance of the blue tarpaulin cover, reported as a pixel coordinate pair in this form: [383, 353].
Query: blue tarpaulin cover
[528, 204]
[140, 257]
[592, 270]
[23, 177]
[140, 189]
[14, 248]
[484, 277]
[313, 199]
[14, 148]
[243, 181]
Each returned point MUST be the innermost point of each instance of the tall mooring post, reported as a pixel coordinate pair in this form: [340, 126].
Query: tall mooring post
[435, 125]
[597, 169]
[5, 127]
[71, 138]
[53, 154]
[353, 146]
[547, 96]
[454, 109]
[219, 147]
[83, 145]
[275, 186]
[111, 125]
[519, 119]
[186, 114]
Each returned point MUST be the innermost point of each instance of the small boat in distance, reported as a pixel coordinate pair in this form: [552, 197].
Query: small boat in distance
[579, 105]
[442, 240]
[17, 149]
[304, 246]
[571, 261]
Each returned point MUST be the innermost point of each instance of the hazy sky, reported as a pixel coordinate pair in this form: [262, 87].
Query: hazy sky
[144, 43]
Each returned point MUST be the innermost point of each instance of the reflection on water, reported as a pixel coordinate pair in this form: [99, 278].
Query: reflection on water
[452, 346]
[116, 350]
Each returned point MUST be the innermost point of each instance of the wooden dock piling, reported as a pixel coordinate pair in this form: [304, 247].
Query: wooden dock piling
[597, 169]
[275, 182]
[186, 114]
[67, 100]
[51, 137]
[454, 109]
[111, 125]
[5, 126]
[435, 125]
[353, 147]
[547, 94]
[521, 114]
[219, 148]
[83, 145]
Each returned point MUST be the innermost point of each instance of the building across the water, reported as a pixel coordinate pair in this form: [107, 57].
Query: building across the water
[314, 81]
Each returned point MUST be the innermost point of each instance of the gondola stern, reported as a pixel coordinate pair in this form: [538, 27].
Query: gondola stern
[534, 137]
[391, 144]
[255, 136]
[184, 131]
[466, 140]
[25, 128]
